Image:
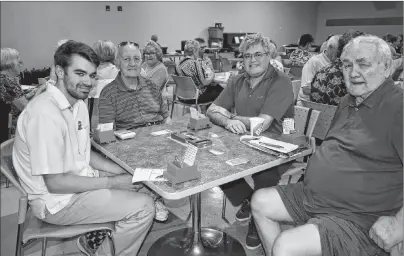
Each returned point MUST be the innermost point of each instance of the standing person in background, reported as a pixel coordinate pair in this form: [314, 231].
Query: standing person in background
[106, 73]
[300, 56]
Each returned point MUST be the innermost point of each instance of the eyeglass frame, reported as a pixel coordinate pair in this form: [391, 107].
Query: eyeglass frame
[257, 55]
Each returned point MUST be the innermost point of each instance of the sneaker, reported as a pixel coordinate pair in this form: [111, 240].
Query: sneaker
[252, 241]
[84, 247]
[244, 213]
[161, 211]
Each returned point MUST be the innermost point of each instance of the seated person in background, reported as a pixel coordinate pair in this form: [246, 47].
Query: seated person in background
[393, 42]
[153, 65]
[314, 64]
[12, 98]
[300, 56]
[351, 200]
[203, 78]
[275, 62]
[262, 91]
[206, 61]
[130, 100]
[275, 55]
[68, 183]
[106, 73]
[328, 86]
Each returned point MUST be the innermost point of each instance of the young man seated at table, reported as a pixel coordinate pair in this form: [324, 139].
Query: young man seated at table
[351, 200]
[132, 101]
[261, 91]
[68, 183]
[202, 77]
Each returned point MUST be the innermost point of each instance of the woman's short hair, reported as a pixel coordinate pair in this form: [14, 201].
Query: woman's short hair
[67, 50]
[190, 47]
[254, 39]
[157, 48]
[8, 58]
[106, 50]
[383, 49]
[305, 39]
[345, 38]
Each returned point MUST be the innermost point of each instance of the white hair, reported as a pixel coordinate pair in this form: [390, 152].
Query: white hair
[8, 58]
[333, 42]
[383, 49]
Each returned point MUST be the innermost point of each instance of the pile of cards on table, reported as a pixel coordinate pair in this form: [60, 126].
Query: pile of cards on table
[125, 134]
[142, 174]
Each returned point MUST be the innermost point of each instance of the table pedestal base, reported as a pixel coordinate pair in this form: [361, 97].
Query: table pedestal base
[182, 243]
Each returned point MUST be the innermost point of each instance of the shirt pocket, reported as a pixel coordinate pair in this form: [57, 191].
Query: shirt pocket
[82, 140]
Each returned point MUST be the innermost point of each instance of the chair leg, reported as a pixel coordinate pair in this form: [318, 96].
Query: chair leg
[44, 243]
[224, 203]
[18, 248]
[7, 183]
[112, 242]
[172, 109]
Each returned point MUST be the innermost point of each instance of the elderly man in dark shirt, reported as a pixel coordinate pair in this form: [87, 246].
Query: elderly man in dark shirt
[352, 197]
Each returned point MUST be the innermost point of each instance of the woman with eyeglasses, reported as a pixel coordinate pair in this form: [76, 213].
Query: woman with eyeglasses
[12, 98]
[153, 65]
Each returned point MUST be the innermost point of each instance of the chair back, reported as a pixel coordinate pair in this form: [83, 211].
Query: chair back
[186, 88]
[305, 121]
[296, 88]
[296, 71]
[170, 65]
[226, 65]
[327, 113]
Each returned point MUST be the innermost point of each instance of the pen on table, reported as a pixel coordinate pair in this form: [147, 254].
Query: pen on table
[270, 145]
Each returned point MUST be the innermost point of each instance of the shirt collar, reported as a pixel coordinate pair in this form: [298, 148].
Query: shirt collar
[122, 86]
[59, 97]
[325, 57]
[374, 98]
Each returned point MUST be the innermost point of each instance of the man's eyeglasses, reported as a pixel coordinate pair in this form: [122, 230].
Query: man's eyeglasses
[121, 44]
[257, 55]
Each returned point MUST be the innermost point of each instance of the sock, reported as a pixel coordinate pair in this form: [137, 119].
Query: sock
[95, 238]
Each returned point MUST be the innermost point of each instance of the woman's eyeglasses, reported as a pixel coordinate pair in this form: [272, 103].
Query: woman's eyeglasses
[128, 42]
[257, 55]
[150, 53]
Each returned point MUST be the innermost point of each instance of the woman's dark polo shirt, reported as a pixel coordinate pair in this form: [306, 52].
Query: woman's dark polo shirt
[273, 96]
[357, 173]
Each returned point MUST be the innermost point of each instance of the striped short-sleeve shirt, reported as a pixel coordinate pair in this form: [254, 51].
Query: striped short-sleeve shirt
[128, 108]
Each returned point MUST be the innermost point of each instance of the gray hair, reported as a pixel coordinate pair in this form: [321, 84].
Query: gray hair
[106, 50]
[272, 50]
[333, 42]
[190, 47]
[255, 39]
[159, 52]
[8, 58]
[383, 49]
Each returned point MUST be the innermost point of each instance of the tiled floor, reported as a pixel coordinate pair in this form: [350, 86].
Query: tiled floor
[211, 217]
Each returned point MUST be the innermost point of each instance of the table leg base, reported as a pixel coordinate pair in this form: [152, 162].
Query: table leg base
[213, 242]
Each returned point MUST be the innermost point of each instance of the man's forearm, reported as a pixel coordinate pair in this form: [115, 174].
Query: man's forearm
[217, 118]
[68, 184]
[104, 164]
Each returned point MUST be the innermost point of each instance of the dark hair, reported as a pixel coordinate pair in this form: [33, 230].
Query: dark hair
[328, 37]
[67, 50]
[390, 38]
[345, 38]
[306, 39]
[200, 40]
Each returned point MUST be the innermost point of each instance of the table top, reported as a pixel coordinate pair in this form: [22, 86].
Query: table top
[154, 152]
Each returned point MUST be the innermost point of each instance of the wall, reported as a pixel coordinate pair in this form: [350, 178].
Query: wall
[366, 9]
[33, 28]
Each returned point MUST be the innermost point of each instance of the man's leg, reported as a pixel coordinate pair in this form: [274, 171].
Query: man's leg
[132, 211]
[272, 205]
[302, 240]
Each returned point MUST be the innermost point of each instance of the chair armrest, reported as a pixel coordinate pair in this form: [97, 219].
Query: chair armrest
[22, 209]
[313, 144]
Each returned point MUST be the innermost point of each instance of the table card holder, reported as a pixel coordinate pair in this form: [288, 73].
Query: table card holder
[178, 172]
[104, 133]
[198, 121]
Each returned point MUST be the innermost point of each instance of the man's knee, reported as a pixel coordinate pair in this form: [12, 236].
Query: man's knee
[140, 205]
[261, 200]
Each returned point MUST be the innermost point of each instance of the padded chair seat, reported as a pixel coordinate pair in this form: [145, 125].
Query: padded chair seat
[40, 229]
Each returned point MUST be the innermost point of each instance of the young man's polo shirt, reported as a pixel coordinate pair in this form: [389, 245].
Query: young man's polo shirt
[52, 137]
[272, 96]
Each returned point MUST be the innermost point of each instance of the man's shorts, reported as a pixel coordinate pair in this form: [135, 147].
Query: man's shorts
[338, 237]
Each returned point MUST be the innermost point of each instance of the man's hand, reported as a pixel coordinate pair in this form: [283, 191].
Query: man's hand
[236, 126]
[121, 181]
[386, 232]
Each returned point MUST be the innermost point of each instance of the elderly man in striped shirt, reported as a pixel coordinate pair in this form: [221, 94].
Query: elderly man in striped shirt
[130, 100]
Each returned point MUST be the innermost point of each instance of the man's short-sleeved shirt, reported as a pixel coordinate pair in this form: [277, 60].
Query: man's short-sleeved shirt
[273, 96]
[52, 137]
[357, 172]
[328, 85]
[128, 108]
